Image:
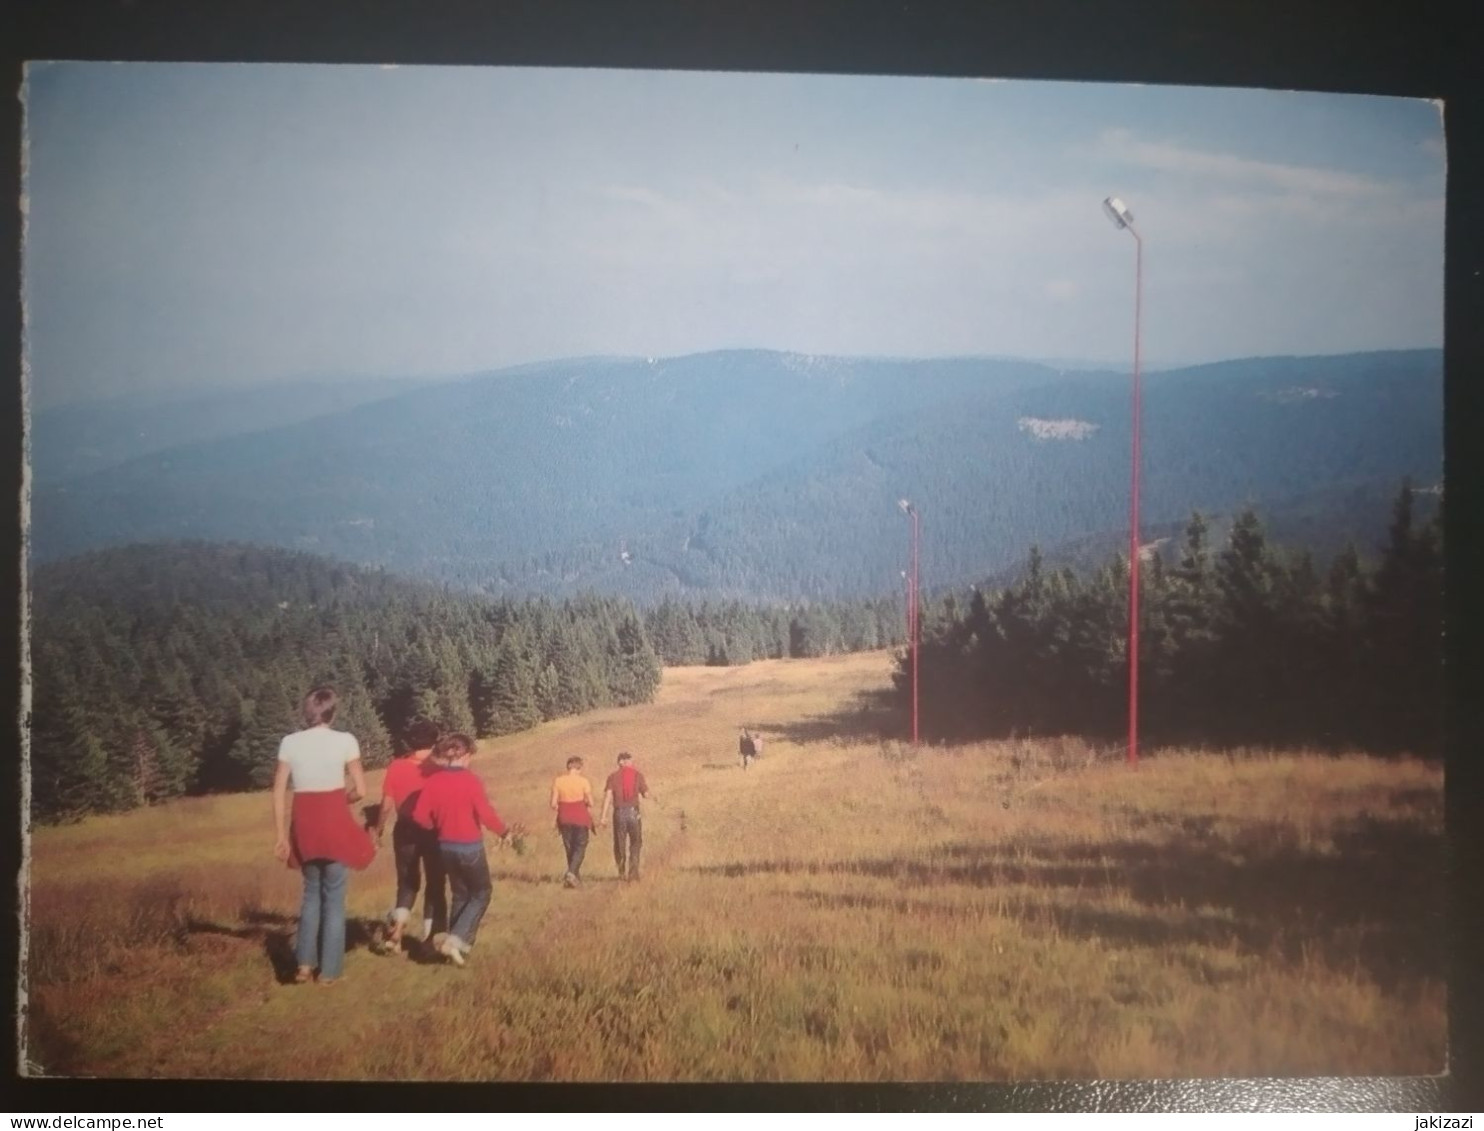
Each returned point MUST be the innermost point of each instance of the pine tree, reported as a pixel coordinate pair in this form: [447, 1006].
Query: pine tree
[1191, 611]
[1404, 649]
[68, 761]
[513, 689]
[549, 692]
[1298, 710]
[639, 667]
[267, 717]
[1245, 662]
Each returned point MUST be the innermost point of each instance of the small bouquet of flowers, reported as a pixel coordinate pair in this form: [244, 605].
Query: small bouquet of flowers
[515, 837]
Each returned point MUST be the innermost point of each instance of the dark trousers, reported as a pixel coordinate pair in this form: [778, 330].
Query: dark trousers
[418, 859]
[470, 885]
[628, 840]
[574, 840]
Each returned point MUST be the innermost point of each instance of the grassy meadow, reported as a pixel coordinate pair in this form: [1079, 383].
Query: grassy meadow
[846, 909]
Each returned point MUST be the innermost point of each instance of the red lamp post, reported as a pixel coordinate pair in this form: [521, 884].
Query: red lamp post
[914, 631]
[1120, 215]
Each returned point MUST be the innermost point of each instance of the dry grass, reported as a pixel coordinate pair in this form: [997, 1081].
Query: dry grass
[847, 909]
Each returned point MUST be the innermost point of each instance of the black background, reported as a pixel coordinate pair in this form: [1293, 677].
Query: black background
[1418, 49]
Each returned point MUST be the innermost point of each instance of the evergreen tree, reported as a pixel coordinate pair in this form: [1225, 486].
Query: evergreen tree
[638, 673]
[267, 717]
[68, 763]
[1247, 672]
[513, 689]
[1404, 651]
[549, 692]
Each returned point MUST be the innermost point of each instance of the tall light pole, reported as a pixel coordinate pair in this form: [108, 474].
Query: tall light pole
[1122, 218]
[907, 595]
[914, 631]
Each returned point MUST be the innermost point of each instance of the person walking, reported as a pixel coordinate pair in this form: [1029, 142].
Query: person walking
[747, 746]
[623, 789]
[319, 835]
[454, 807]
[415, 849]
[572, 800]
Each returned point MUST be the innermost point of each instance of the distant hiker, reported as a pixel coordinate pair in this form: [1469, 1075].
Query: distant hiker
[321, 836]
[414, 848]
[572, 798]
[622, 790]
[748, 747]
[455, 807]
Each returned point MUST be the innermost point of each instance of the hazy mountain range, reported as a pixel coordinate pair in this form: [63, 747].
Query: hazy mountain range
[744, 473]
[70, 441]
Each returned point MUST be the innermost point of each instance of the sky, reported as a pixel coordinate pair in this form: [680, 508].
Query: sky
[198, 226]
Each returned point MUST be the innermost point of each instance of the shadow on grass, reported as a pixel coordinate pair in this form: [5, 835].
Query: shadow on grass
[542, 880]
[276, 933]
[548, 879]
[1374, 901]
[868, 716]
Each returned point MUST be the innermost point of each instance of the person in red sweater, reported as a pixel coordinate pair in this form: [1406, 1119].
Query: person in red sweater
[415, 848]
[622, 791]
[454, 806]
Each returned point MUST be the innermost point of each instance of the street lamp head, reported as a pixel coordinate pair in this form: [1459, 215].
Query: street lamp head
[905, 505]
[1118, 212]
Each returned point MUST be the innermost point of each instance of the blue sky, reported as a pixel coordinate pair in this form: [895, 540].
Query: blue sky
[212, 225]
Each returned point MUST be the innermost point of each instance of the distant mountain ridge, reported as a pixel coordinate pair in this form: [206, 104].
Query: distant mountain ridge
[71, 441]
[763, 475]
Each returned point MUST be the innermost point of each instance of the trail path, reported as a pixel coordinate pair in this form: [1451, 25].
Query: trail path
[846, 909]
[233, 1018]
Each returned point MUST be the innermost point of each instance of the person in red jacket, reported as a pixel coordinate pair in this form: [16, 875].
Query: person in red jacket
[454, 806]
[622, 791]
[415, 848]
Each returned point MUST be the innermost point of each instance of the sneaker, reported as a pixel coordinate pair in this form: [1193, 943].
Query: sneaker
[451, 950]
[569, 880]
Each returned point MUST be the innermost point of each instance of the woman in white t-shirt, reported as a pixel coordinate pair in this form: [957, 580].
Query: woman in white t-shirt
[321, 837]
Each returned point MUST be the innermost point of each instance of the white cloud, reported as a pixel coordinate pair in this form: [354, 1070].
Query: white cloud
[635, 194]
[1171, 158]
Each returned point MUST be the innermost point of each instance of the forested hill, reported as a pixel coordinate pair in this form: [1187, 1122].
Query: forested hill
[1241, 641]
[175, 668]
[162, 670]
[1324, 523]
[1321, 442]
[766, 476]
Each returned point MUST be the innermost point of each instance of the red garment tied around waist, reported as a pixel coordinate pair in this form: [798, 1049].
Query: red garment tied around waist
[323, 828]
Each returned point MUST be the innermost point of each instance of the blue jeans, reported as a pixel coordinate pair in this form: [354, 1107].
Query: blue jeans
[418, 858]
[574, 840]
[628, 839]
[321, 940]
[469, 887]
